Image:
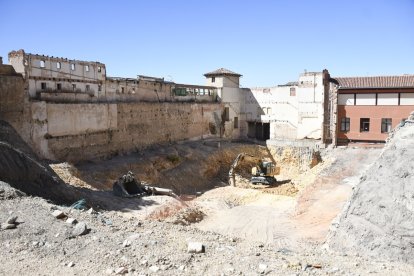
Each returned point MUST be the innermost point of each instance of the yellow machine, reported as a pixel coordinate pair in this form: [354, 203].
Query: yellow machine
[262, 173]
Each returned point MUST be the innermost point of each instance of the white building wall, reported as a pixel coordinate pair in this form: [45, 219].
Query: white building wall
[365, 99]
[387, 99]
[296, 115]
[346, 99]
[407, 99]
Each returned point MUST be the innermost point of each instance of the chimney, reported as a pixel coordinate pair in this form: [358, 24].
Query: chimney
[1, 60]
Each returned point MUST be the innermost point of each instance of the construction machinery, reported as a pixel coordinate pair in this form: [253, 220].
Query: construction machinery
[262, 173]
[128, 186]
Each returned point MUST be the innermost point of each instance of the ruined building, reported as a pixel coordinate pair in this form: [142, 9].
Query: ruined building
[71, 110]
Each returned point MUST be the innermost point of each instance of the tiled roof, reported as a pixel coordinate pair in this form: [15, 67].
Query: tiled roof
[222, 72]
[376, 82]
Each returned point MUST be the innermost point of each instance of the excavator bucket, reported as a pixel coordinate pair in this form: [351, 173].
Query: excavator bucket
[128, 186]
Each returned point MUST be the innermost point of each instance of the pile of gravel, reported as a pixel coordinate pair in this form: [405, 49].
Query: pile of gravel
[378, 221]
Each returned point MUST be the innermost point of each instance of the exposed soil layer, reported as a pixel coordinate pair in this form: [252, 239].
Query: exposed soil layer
[21, 168]
[379, 218]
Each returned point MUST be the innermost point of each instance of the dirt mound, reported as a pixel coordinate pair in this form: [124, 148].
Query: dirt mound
[379, 218]
[8, 192]
[20, 167]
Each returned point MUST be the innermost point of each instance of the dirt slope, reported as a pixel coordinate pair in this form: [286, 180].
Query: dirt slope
[379, 218]
[21, 168]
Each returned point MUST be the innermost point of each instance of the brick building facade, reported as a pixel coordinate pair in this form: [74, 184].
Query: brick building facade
[370, 107]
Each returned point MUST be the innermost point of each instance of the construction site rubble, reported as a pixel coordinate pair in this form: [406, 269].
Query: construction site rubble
[127, 186]
[378, 220]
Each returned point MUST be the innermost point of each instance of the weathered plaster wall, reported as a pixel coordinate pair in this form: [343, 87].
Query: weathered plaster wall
[74, 119]
[78, 132]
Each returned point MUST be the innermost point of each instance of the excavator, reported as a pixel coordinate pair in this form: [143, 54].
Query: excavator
[262, 173]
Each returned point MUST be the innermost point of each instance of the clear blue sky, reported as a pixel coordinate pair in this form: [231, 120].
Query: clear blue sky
[269, 42]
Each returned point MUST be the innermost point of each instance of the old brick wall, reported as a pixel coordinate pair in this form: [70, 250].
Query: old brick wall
[82, 135]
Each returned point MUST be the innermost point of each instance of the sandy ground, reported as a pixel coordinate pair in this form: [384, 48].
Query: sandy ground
[274, 231]
[288, 221]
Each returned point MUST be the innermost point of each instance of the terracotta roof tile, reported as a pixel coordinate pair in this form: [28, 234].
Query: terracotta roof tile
[376, 82]
[221, 72]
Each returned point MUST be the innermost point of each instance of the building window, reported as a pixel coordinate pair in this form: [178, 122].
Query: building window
[122, 90]
[59, 86]
[87, 68]
[226, 114]
[213, 79]
[269, 111]
[99, 87]
[236, 122]
[43, 85]
[73, 87]
[58, 65]
[364, 124]
[386, 125]
[72, 66]
[292, 91]
[345, 124]
[99, 69]
[88, 87]
[42, 64]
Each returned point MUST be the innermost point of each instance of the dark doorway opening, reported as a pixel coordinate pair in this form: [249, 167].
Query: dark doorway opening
[260, 131]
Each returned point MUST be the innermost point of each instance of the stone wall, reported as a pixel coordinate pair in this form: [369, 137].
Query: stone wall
[76, 132]
[11, 96]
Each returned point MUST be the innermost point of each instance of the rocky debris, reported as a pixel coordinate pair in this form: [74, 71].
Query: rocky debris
[71, 221]
[187, 216]
[262, 268]
[195, 247]
[91, 211]
[59, 214]
[378, 220]
[80, 229]
[121, 270]
[126, 243]
[154, 268]
[6, 226]
[8, 192]
[11, 220]
[10, 223]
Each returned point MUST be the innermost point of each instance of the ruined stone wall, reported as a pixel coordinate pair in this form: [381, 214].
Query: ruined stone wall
[76, 132]
[11, 97]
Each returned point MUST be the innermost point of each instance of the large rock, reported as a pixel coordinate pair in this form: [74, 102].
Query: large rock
[195, 247]
[379, 218]
[80, 229]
